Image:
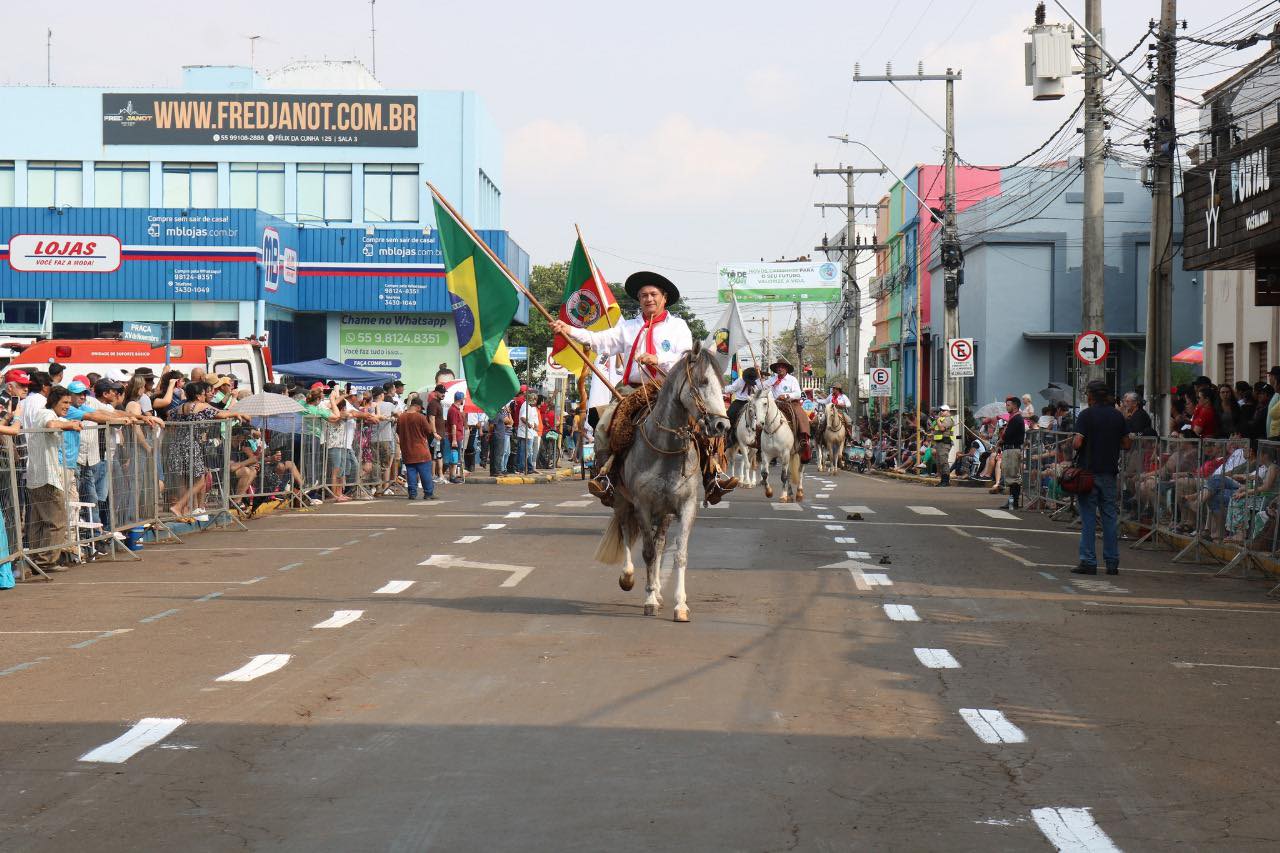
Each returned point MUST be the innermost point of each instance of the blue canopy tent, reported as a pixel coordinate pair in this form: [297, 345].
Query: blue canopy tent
[327, 368]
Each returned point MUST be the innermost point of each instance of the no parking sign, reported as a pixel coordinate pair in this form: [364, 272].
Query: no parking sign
[960, 357]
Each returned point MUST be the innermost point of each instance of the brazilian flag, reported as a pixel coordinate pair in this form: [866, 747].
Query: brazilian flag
[484, 301]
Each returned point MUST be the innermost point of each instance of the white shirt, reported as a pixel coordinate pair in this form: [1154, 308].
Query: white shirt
[671, 340]
[838, 400]
[44, 452]
[739, 390]
[527, 426]
[786, 388]
[91, 436]
[386, 428]
[28, 409]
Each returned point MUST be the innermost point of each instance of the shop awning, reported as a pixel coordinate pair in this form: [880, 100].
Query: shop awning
[327, 368]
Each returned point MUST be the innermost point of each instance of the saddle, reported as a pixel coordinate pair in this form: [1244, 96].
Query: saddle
[629, 414]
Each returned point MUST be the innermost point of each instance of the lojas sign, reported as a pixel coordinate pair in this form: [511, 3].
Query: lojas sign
[185, 118]
[64, 253]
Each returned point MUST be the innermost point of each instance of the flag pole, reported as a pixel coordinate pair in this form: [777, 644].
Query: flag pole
[520, 288]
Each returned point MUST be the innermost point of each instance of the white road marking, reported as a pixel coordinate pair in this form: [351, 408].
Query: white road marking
[857, 555]
[815, 506]
[862, 509]
[341, 515]
[143, 734]
[1012, 556]
[499, 503]
[514, 514]
[448, 561]
[1004, 515]
[787, 507]
[859, 579]
[576, 504]
[878, 579]
[99, 631]
[991, 726]
[834, 526]
[1272, 611]
[1072, 830]
[260, 665]
[530, 506]
[1047, 576]
[825, 517]
[340, 618]
[1099, 586]
[1186, 664]
[864, 581]
[494, 526]
[937, 658]
[846, 540]
[288, 567]
[901, 613]
[252, 581]
[467, 540]
[393, 587]
[158, 616]
[926, 510]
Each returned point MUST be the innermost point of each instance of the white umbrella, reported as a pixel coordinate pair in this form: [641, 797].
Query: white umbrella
[265, 404]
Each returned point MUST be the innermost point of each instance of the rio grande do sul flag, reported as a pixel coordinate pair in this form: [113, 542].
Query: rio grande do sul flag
[588, 303]
[726, 337]
[484, 300]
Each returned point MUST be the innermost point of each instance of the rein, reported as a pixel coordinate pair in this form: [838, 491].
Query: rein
[685, 434]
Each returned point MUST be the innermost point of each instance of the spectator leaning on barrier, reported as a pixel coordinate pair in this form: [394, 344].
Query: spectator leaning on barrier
[92, 460]
[184, 450]
[50, 480]
[16, 383]
[1100, 438]
[34, 402]
[415, 430]
[384, 440]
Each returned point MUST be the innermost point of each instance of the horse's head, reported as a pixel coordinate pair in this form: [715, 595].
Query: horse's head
[758, 408]
[702, 392]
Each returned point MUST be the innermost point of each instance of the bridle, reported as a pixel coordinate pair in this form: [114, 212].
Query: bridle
[764, 426]
[687, 433]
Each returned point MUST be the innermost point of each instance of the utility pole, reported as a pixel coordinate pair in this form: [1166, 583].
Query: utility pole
[48, 57]
[950, 252]
[1091, 274]
[253, 44]
[373, 40]
[1159, 350]
[850, 247]
[799, 344]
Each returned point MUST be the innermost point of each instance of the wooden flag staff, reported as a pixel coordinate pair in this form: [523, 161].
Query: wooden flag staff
[520, 288]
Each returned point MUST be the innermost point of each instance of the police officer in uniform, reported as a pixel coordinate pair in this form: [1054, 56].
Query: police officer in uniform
[943, 426]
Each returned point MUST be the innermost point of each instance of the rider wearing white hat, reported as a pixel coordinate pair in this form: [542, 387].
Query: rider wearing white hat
[786, 388]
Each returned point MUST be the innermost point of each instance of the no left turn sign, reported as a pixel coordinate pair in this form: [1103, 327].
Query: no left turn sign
[1092, 347]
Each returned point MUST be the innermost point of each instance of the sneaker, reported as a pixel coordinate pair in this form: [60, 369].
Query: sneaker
[1113, 570]
[316, 502]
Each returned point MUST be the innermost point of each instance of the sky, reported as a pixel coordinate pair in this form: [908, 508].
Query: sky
[678, 135]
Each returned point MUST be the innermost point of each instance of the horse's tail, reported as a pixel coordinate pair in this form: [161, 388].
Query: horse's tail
[611, 549]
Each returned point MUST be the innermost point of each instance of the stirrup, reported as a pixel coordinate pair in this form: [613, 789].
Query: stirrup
[601, 487]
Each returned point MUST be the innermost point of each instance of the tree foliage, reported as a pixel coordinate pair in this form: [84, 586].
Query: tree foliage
[813, 333]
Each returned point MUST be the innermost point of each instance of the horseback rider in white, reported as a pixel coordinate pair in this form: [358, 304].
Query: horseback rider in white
[651, 345]
[785, 388]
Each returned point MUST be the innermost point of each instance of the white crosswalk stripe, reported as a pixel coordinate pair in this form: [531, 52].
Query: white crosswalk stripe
[926, 510]
[865, 510]
[142, 735]
[1072, 830]
[937, 658]
[901, 613]
[991, 726]
[1001, 514]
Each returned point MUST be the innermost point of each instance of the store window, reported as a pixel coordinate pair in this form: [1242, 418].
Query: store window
[324, 192]
[258, 185]
[391, 192]
[189, 185]
[55, 183]
[22, 312]
[6, 183]
[117, 184]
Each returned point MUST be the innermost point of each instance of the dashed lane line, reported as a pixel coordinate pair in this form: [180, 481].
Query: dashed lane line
[289, 567]
[158, 616]
[574, 504]
[515, 514]
[467, 540]
[339, 619]
[499, 503]
[901, 613]
[834, 526]
[530, 506]
[495, 526]
[144, 733]
[19, 667]
[826, 517]
[925, 510]
[1001, 514]
[992, 726]
[1274, 611]
[259, 666]
[1072, 830]
[1186, 664]
[210, 597]
[846, 540]
[105, 635]
[393, 587]
[937, 658]
[787, 507]
[857, 555]
[865, 510]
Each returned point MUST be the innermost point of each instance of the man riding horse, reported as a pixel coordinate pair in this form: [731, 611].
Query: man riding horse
[651, 345]
[785, 388]
[739, 392]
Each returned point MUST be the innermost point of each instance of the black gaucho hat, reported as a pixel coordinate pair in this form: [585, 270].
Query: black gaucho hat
[637, 280]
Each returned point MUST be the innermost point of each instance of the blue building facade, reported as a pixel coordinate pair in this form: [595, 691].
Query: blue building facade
[239, 206]
[1021, 297]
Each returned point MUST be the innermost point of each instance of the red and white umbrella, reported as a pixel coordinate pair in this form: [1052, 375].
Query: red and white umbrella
[1193, 354]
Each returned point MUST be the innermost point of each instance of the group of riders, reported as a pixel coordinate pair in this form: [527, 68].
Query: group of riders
[650, 345]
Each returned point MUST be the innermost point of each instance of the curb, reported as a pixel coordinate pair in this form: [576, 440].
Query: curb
[522, 480]
[956, 482]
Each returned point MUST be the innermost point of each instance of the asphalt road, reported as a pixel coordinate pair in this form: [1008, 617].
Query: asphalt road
[506, 694]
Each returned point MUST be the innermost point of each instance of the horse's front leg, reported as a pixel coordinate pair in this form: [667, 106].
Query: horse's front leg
[797, 477]
[626, 580]
[764, 474]
[681, 609]
[655, 542]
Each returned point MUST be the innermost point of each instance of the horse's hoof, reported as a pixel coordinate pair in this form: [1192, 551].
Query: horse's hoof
[768, 491]
[681, 614]
[650, 610]
[626, 581]
[799, 495]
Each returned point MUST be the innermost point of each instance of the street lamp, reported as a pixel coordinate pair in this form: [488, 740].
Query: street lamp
[933, 214]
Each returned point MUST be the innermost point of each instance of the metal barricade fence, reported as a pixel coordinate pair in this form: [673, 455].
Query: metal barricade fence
[11, 506]
[47, 487]
[189, 461]
[1164, 489]
[92, 525]
[1202, 505]
[1136, 464]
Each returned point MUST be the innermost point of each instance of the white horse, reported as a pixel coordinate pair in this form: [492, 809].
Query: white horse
[661, 478]
[832, 436]
[777, 443]
[745, 464]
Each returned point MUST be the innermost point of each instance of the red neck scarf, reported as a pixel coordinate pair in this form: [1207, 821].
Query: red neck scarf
[646, 334]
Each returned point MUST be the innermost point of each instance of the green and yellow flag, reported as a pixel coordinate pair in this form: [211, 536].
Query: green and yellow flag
[484, 301]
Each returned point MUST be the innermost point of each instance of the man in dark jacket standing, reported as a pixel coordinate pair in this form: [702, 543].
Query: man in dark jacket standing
[1101, 436]
[1011, 441]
